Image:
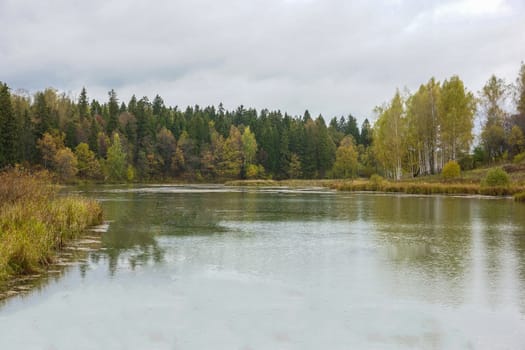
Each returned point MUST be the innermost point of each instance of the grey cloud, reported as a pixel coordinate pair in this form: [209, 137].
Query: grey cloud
[332, 57]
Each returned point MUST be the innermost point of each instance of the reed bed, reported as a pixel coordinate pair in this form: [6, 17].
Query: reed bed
[520, 197]
[35, 221]
[427, 188]
[280, 183]
[378, 184]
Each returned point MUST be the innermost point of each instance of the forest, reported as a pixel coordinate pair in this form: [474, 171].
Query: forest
[414, 134]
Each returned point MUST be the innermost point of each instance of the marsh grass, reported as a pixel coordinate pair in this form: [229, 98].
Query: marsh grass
[35, 221]
[378, 184]
[427, 188]
[520, 197]
[281, 183]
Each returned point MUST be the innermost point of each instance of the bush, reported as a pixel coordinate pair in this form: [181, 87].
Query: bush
[451, 170]
[519, 197]
[253, 171]
[376, 181]
[496, 177]
[519, 158]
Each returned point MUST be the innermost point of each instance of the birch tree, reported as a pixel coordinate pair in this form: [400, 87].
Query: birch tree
[456, 115]
[423, 128]
[389, 134]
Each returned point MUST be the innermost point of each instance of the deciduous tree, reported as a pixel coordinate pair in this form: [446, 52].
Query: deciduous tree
[66, 164]
[492, 100]
[389, 137]
[116, 165]
[346, 163]
[456, 113]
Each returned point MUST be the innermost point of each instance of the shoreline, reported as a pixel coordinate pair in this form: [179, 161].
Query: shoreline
[384, 186]
[36, 223]
[362, 186]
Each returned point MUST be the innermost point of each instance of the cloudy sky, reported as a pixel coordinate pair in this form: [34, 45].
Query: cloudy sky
[329, 56]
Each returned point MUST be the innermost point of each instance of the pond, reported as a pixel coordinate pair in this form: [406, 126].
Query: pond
[213, 267]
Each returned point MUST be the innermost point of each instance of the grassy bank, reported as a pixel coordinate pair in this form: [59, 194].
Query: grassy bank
[35, 221]
[418, 186]
[280, 183]
[426, 187]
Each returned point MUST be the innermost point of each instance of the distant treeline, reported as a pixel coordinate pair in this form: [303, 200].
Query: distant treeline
[146, 140]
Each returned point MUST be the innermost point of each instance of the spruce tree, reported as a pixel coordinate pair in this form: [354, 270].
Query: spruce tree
[83, 105]
[113, 110]
[352, 129]
[8, 128]
[365, 138]
[42, 112]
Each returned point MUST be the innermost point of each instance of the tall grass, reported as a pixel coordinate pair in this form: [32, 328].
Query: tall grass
[35, 221]
[378, 184]
[519, 197]
[427, 188]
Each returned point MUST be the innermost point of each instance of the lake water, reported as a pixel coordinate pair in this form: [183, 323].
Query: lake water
[209, 267]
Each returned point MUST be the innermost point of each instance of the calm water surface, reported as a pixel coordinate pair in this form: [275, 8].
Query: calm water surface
[217, 268]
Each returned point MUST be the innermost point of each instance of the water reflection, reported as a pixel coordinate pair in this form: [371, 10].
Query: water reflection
[437, 246]
[501, 253]
[290, 269]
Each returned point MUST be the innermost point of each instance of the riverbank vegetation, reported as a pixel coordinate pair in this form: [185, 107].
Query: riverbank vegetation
[378, 184]
[488, 182]
[35, 221]
[414, 135]
[520, 197]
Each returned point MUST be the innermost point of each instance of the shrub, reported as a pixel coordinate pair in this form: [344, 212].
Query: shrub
[376, 181]
[451, 170]
[130, 173]
[519, 158]
[254, 171]
[496, 177]
[519, 197]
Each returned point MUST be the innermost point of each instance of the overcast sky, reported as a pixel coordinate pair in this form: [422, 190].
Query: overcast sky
[329, 56]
